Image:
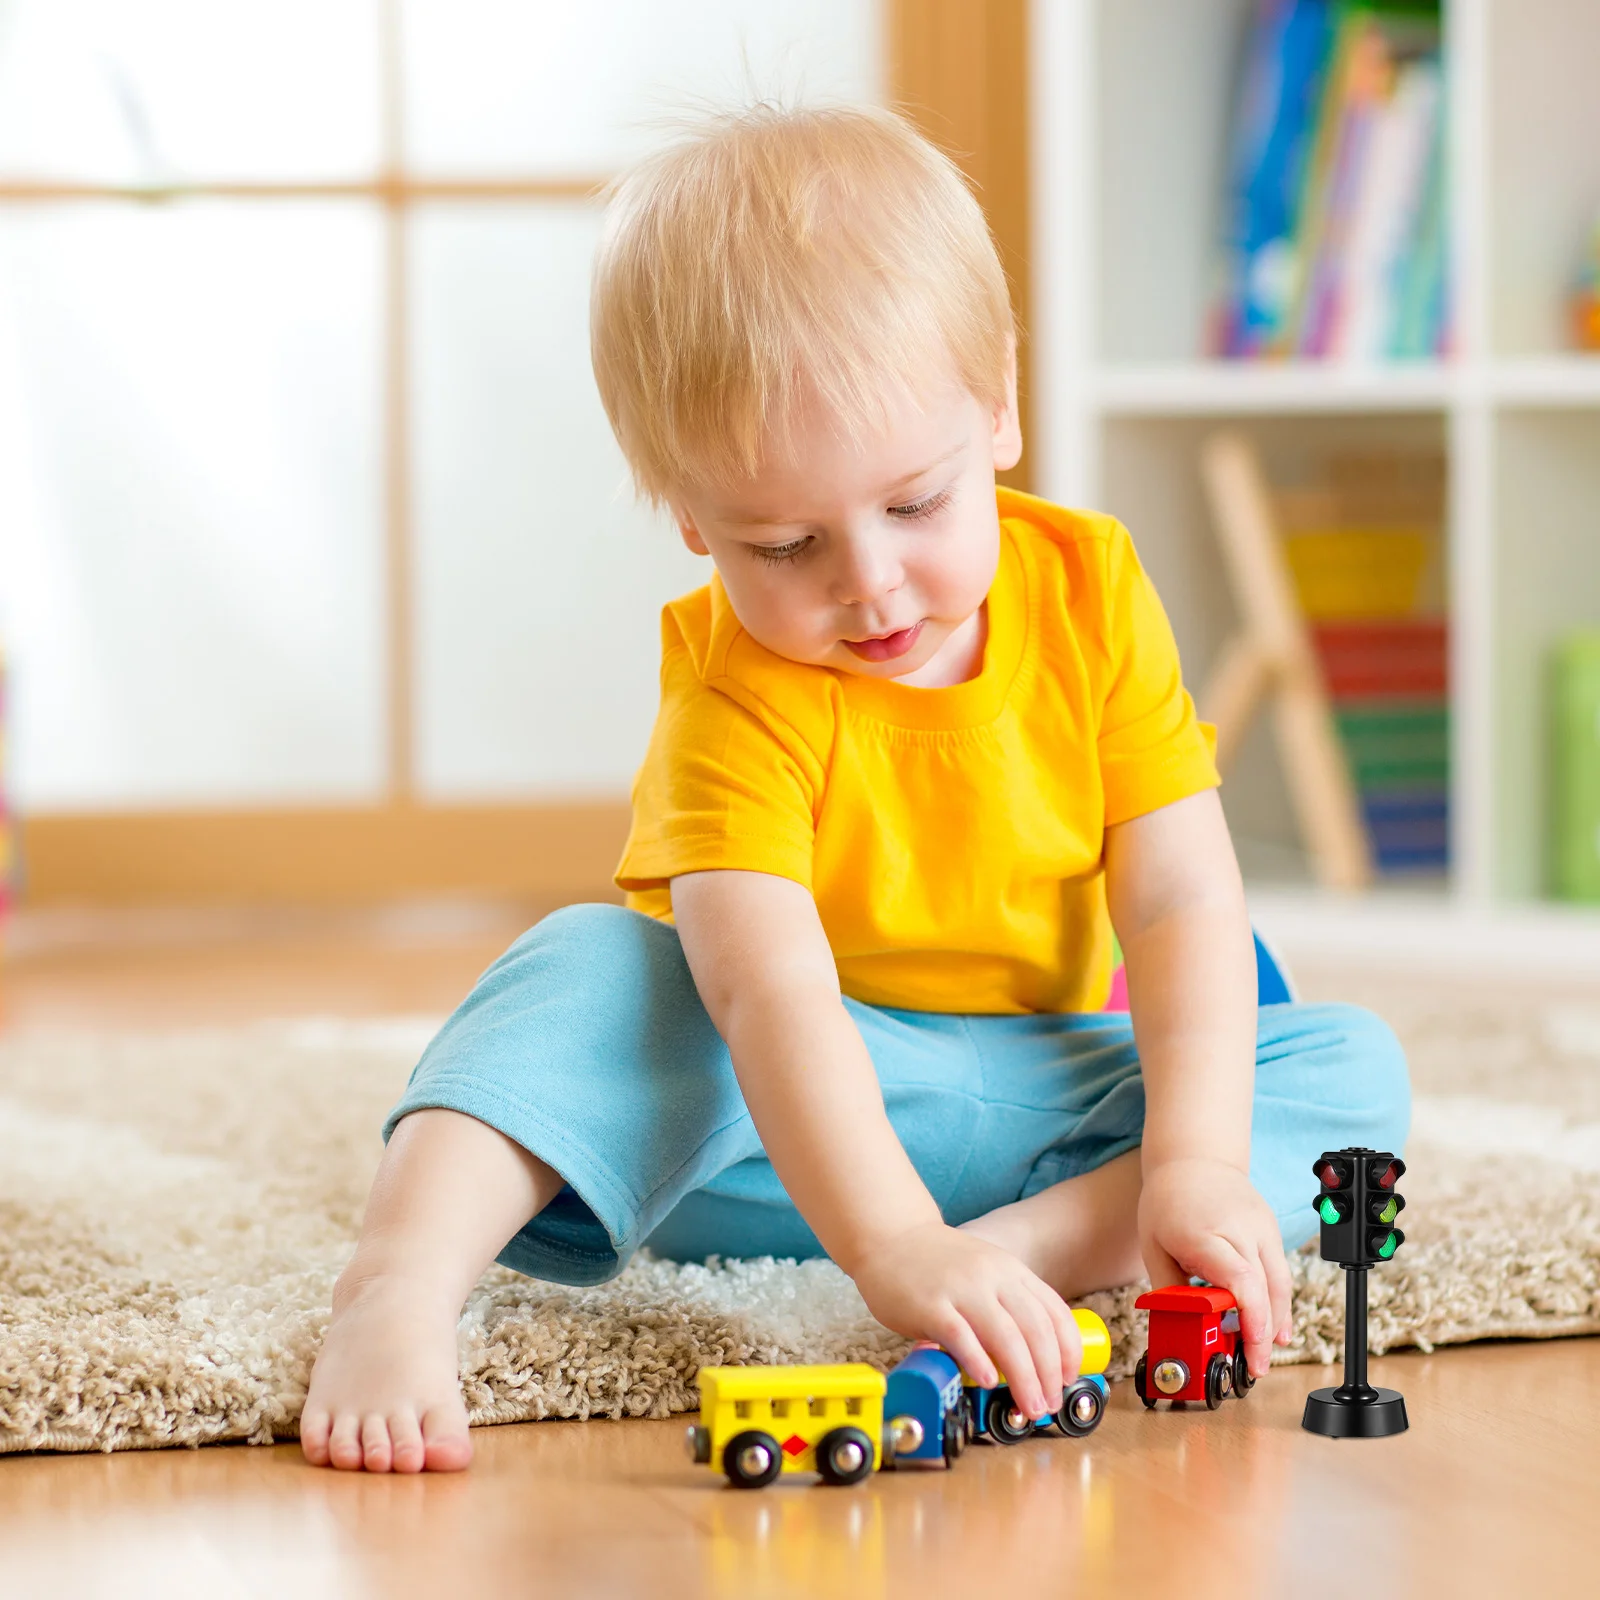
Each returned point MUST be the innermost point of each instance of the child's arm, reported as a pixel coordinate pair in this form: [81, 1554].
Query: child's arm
[1178, 907]
[766, 975]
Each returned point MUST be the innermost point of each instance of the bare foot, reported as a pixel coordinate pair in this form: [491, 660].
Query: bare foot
[386, 1390]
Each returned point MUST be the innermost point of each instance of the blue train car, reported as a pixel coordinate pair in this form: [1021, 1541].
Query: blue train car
[1082, 1406]
[925, 1414]
[995, 1417]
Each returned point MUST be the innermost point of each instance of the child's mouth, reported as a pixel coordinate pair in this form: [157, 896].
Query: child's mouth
[888, 647]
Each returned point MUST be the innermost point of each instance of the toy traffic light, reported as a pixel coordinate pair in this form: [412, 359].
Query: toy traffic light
[1357, 1207]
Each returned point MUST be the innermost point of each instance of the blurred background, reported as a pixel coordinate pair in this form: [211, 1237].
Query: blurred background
[320, 578]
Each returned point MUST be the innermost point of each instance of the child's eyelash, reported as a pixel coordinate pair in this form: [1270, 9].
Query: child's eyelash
[774, 554]
[922, 508]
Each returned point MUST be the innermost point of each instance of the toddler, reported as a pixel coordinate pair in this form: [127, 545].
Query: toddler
[922, 744]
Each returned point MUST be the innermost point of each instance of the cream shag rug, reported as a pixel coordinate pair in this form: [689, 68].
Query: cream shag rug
[174, 1210]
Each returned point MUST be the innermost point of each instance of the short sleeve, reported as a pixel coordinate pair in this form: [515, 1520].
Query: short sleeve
[1153, 748]
[726, 784]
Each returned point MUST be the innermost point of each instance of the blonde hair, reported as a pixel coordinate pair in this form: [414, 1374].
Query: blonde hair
[774, 255]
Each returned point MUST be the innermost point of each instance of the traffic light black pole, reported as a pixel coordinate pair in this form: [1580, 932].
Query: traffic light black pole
[1355, 1328]
[1355, 1386]
[1355, 1410]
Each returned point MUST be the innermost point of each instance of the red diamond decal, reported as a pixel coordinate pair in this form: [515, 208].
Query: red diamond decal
[794, 1445]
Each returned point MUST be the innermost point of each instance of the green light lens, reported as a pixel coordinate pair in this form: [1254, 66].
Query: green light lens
[1328, 1211]
[1388, 1247]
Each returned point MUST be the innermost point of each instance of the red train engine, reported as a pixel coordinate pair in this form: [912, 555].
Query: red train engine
[1195, 1351]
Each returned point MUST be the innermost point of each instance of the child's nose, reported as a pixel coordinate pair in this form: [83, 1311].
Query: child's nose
[864, 575]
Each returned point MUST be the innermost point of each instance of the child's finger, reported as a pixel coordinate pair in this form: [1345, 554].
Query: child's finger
[1280, 1288]
[1069, 1338]
[1003, 1340]
[1163, 1268]
[955, 1334]
[1219, 1260]
[1033, 1321]
[1249, 1288]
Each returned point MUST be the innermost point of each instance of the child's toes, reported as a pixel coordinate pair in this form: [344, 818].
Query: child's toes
[445, 1442]
[407, 1451]
[344, 1443]
[375, 1451]
[314, 1426]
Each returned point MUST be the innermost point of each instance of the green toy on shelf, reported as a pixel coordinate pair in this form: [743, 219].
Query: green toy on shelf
[1576, 767]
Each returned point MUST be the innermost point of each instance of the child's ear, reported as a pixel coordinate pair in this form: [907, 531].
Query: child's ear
[688, 532]
[1008, 420]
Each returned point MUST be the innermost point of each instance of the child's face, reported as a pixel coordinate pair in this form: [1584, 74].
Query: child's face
[872, 555]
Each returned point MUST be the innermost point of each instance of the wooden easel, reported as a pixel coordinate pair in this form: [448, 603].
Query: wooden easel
[1271, 654]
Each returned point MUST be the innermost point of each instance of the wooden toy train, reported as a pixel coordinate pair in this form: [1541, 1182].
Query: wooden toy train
[1195, 1350]
[844, 1422]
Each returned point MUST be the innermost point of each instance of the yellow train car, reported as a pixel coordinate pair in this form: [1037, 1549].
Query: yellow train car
[756, 1422]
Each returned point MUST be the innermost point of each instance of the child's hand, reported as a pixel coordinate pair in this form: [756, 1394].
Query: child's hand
[1203, 1218]
[982, 1304]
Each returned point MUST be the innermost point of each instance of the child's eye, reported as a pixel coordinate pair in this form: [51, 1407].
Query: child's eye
[775, 553]
[922, 508]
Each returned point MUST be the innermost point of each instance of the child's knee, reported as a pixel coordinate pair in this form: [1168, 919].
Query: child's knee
[1359, 1073]
[581, 954]
[1379, 1081]
[593, 933]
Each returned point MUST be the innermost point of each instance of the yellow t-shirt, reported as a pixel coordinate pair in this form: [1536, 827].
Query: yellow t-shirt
[952, 838]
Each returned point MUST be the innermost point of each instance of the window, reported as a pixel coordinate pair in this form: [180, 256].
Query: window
[305, 493]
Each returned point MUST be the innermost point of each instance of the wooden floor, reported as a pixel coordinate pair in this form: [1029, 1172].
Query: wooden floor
[1492, 1492]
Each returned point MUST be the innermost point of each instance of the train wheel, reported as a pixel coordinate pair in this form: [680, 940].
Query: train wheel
[1007, 1425]
[1081, 1411]
[1139, 1387]
[844, 1456]
[969, 1417]
[752, 1459]
[1219, 1381]
[955, 1435]
[1243, 1383]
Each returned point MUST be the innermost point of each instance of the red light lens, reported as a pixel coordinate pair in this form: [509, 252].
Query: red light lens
[1332, 1174]
[1387, 1177]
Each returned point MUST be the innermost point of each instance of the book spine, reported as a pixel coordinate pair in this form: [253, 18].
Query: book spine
[1383, 232]
[1418, 329]
[1286, 65]
[1312, 219]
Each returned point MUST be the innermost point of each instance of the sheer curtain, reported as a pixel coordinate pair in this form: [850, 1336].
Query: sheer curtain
[193, 447]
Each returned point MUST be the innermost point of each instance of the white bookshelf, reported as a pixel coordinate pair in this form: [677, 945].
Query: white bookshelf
[1132, 107]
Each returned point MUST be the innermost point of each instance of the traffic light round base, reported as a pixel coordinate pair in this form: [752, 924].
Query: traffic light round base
[1335, 1416]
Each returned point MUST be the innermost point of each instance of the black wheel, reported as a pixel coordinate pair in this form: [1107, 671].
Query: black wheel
[1007, 1425]
[1139, 1387]
[969, 1416]
[752, 1459]
[955, 1434]
[1243, 1383]
[1219, 1381]
[844, 1456]
[1081, 1410]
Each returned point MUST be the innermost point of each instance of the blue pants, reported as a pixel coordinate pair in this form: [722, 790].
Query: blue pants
[587, 1044]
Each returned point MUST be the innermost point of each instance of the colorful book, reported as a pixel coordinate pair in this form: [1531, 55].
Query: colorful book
[1286, 62]
[1334, 230]
[1386, 211]
[1356, 86]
